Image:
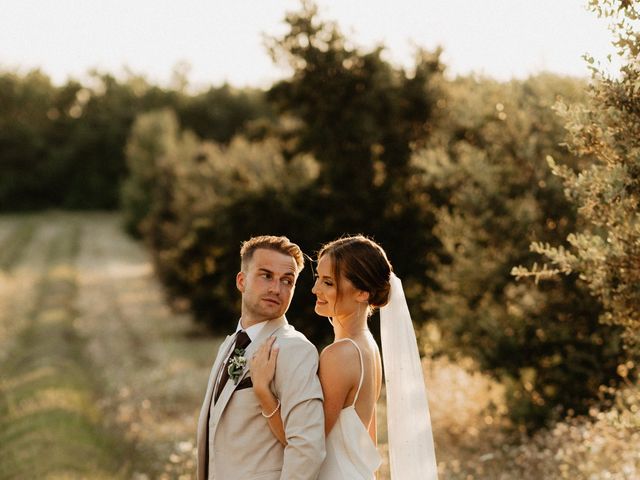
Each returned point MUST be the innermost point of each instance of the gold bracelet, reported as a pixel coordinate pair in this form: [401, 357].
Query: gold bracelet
[272, 413]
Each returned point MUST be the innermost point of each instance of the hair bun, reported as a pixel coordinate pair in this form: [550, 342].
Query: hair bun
[380, 297]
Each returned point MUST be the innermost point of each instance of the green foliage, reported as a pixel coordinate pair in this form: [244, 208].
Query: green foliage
[604, 249]
[359, 117]
[24, 103]
[222, 112]
[195, 201]
[64, 146]
[336, 161]
[486, 171]
[153, 137]
[449, 177]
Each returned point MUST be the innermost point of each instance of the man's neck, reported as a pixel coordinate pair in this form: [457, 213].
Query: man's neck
[247, 322]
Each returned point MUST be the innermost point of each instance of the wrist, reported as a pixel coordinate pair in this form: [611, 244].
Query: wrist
[262, 391]
[269, 415]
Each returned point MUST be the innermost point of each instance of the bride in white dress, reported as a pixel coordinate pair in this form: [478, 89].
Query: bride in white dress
[354, 277]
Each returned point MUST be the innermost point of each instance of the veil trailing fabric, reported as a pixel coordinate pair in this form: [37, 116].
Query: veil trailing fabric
[411, 451]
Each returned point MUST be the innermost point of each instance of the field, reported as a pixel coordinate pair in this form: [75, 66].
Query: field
[100, 379]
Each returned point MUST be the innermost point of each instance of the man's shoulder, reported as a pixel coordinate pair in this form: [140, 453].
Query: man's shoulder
[289, 337]
[297, 356]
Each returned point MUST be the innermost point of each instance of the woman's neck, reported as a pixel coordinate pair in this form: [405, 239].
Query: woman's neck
[350, 326]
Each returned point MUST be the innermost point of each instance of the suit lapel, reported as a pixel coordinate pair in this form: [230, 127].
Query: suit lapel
[203, 422]
[213, 377]
[268, 330]
[221, 360]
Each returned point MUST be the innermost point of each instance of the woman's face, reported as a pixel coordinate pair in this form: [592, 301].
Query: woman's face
[328, 302]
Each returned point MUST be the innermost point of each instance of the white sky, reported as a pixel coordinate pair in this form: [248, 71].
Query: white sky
[222, 40]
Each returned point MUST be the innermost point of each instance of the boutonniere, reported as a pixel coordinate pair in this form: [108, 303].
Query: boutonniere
[236, 365]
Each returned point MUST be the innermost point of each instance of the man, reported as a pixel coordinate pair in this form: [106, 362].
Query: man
[234, 439]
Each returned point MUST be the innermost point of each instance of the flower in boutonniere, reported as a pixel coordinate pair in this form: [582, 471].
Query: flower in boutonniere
[236, 365]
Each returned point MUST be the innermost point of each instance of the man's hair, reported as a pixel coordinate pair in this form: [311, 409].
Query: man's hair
[271, 242]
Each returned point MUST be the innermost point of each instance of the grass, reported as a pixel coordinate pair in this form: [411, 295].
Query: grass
[14, 244]
[50, 425]
[469, 418]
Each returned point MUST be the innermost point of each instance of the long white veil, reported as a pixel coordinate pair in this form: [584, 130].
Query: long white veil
[411, 451]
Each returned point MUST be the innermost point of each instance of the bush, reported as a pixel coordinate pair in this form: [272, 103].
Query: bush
[154, 136]
[486, 170]
[468, 411]
[64, 146]
[605, 248]
[195, 201]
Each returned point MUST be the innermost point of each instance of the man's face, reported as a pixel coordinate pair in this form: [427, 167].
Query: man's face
[267, 286]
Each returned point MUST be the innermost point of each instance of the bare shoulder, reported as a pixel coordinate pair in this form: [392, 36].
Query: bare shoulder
[339, 373]
[340, 357]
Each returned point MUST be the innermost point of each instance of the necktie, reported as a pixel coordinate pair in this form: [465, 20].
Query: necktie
[242, 341]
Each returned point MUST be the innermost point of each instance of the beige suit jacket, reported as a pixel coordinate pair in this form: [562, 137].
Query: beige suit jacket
[243, 445]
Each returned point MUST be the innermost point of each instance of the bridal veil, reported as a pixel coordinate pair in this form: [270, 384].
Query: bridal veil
[411, 451]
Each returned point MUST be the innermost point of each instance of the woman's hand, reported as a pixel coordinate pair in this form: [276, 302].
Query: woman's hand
[263, 366]
[263, 369]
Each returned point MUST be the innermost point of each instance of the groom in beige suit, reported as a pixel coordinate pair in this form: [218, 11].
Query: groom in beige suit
[234, 439]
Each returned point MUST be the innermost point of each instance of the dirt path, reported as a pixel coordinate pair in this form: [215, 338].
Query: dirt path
[156, 363]
[91, 359]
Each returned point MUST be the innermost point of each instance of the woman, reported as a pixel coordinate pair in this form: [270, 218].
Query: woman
[353, 277]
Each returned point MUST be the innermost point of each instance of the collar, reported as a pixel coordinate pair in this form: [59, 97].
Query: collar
[253, 331]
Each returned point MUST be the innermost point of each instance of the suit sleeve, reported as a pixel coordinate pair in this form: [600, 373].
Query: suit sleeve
[298, 388]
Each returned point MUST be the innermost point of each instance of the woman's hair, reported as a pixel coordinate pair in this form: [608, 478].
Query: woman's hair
[364, 263]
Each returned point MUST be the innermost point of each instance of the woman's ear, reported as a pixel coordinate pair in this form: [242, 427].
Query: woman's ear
[362, 296]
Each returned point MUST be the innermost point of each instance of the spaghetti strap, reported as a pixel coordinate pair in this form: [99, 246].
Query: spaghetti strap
[361, 369]
[351, 452]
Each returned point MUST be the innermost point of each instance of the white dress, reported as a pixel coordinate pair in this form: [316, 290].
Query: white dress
[351, 454]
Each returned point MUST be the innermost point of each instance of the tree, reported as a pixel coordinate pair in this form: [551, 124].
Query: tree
[485, 168]
[28, 107]
[194, 201]
[153, 137]
[360, 118]
[220, 113]
[604, 248]
[64, 146]
[336, 161]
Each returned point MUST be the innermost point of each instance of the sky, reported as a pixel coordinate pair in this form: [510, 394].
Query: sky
[224, 40]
